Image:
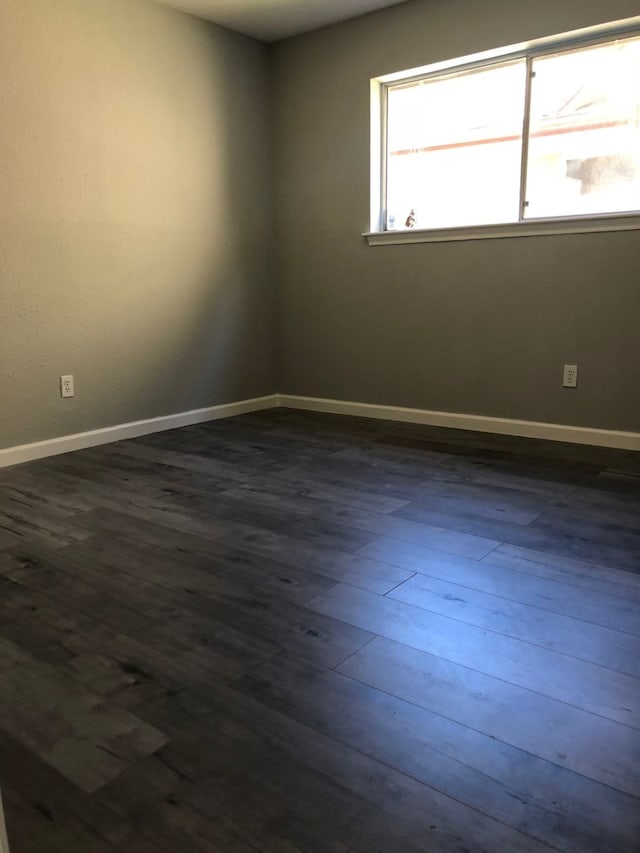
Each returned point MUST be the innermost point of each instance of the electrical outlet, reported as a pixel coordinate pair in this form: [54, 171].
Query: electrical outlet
[66, 386]
[570, 376]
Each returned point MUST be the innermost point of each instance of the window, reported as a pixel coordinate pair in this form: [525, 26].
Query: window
[546, 133]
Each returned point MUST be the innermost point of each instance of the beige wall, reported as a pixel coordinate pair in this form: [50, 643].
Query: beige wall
[134, 207]
[136, 226]
[480, 327]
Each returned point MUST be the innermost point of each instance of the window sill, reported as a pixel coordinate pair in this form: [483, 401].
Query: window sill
[531, 228]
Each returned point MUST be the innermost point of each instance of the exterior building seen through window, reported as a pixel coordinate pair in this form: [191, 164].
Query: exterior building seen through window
[542, 135]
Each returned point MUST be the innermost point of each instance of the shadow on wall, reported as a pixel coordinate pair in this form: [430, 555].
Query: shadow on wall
[135, 198]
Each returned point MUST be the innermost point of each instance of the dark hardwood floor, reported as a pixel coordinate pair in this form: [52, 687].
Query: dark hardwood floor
[296, 632]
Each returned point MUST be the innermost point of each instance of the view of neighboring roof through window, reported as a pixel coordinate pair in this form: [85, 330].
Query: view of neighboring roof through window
[542, 135]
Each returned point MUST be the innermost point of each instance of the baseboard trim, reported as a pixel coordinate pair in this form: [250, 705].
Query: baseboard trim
[479, 423]
[80, 440]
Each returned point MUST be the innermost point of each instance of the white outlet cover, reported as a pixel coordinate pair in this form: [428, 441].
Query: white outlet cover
[66, 386]
[570, 376]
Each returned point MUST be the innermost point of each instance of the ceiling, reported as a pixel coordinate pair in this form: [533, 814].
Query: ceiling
[270, 20]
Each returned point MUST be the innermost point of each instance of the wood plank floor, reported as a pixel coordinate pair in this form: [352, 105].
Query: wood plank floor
[297, 632]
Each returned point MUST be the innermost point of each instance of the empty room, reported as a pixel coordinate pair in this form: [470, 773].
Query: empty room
[319, 426]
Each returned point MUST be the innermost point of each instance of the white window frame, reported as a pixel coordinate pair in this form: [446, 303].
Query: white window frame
[581, 224]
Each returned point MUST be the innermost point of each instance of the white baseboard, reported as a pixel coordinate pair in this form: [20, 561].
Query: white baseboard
[80, 440]
[479, 423]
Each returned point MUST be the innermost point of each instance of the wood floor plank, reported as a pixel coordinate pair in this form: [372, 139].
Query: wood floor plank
[545, 671]
[509, 503]
[227, 472]
[66, 725]
[179, 618]
[31, 828]
[43, 486]
[202, 650]
[365, 826]
[172, 811]
[490, 776]
[609, 579]
[450, 468]
[212, 518]
[614, 530]
[147, 796]
[93, 472]
[281, 488]
[592, 498]
[232, 449]
[210, 573]
[286, 748]
[48, 793]
[28, 505]
[610, 524]
[175, 479]
[378, 524]
[290, 550]
[605, 647]
[592, 746]
[427, 502]
[19, 524]
[557, 596]
[318, 800]
[582, 539]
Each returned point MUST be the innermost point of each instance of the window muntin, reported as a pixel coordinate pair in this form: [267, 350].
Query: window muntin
[473, 165]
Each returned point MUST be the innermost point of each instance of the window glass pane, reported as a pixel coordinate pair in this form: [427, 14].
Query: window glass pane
[454, 148]
[584, 135]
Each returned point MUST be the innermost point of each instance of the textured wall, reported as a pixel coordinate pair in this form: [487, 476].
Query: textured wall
[135, 176]
[134, 205]
[479, 327]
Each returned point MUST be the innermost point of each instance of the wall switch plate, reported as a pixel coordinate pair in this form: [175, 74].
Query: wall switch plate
[570, 376]
[66, 386]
